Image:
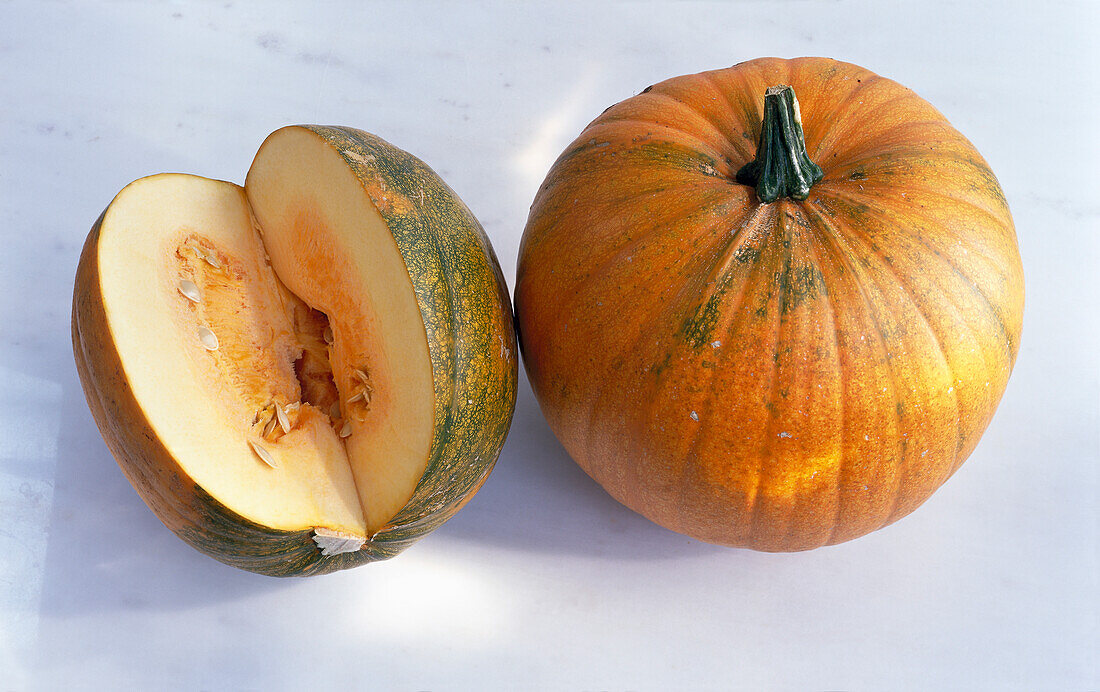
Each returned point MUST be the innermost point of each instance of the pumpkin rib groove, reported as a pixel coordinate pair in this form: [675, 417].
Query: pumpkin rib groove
[723, 261]
[723, 136]
[640, 234]
[802, 244]
[960, 435]
[744, 149]
[756, 278]
[881, 133]
[740, 146]
[992, 309]
[671, 306]
[838, 164]
[642, 238]
[892, 516]
[919, 310]
[999, 218]
[965, 239]
[769, 441]
[1002, 219]
[903, 284]
[960, 438]
[676, 307]
[736, 242]
[834, 130]
[860, 280]
[843, 462]
[752, 111]
[592, 130]
[570, 304]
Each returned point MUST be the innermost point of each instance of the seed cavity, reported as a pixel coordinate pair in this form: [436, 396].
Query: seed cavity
[189, 290]
[265, 456]
[208, 338]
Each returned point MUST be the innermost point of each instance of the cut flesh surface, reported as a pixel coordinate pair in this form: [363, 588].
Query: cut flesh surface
[244, 380]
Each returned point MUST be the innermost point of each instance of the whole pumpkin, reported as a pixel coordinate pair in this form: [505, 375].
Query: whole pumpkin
[765, 325]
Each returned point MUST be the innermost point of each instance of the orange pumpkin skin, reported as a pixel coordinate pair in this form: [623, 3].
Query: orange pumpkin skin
[777, 376]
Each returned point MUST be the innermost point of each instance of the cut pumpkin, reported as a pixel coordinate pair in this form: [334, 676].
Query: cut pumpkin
[306, 373]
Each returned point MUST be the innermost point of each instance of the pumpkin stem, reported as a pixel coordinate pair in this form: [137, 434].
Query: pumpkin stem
[782, 167]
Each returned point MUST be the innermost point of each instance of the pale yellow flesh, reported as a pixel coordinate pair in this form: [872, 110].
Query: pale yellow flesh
[207, 406]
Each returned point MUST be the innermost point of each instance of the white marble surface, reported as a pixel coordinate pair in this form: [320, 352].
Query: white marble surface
[542, 582]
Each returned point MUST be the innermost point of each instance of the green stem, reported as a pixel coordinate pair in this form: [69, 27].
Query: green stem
[782, 167]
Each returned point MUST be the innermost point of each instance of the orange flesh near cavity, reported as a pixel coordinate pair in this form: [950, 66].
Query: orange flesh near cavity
[269, 295]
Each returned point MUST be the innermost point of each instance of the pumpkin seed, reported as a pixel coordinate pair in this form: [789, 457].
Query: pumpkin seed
[269, 427]
[346, 430]
[358, 397]
[360, 375]
[265, 456]
[189, 290]
[334, 410]
[208, 338]
[327, 335]
[211, 260]
[284, 423]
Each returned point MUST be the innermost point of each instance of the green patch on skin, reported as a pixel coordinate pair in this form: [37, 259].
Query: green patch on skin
[698, 329]
[796, 285]
[747, 254]
[658, 368]
[666, 154]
